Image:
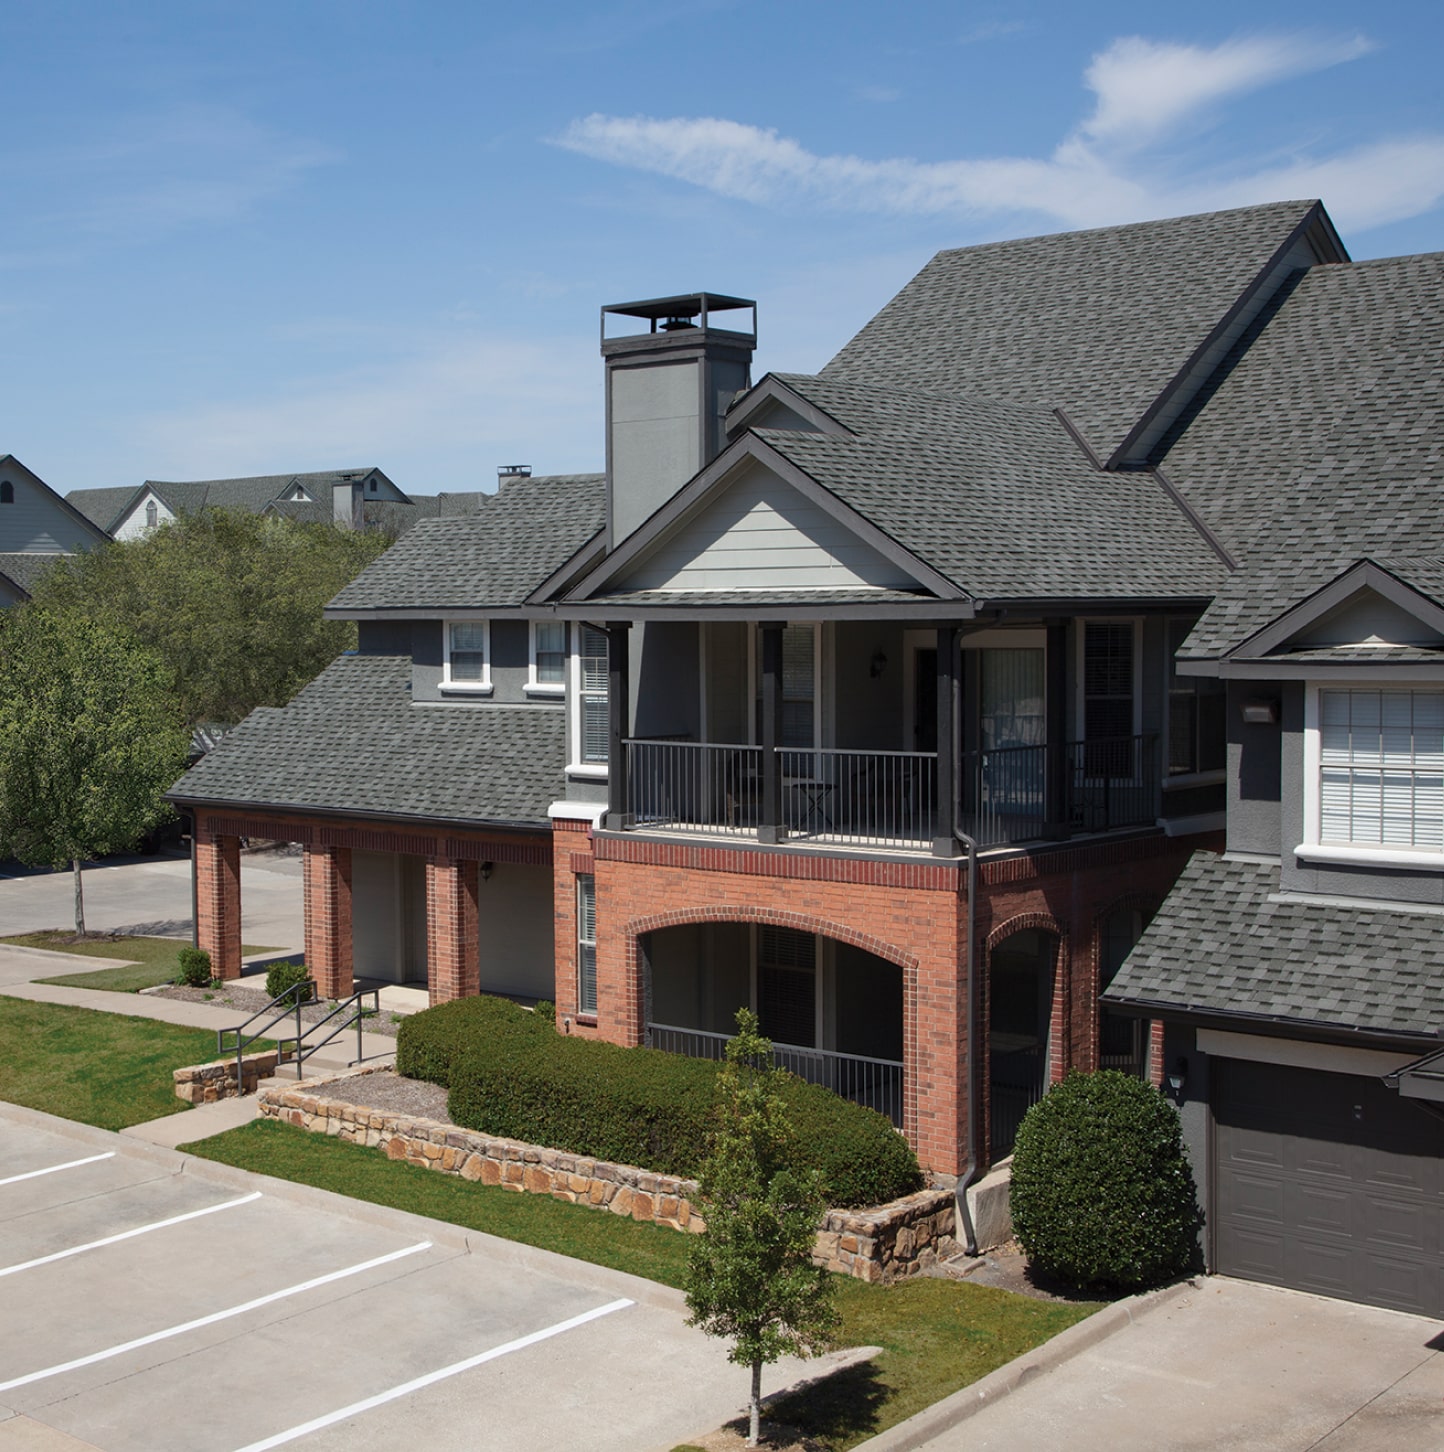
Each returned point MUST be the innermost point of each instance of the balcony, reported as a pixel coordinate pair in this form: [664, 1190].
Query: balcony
[887, 799]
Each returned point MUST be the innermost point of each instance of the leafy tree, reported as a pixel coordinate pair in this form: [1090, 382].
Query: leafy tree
[89, 738]
[750, 1274]
[230, 601]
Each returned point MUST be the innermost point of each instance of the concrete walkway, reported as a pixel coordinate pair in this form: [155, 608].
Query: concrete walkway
[1225, 1365]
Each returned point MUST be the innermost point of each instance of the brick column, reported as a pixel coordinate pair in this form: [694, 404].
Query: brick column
[326, 882]
[218, 901]
[453, 963]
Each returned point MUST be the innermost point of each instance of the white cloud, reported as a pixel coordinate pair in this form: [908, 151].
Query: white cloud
[1101, 173]
[439, 417]
[1147, 87]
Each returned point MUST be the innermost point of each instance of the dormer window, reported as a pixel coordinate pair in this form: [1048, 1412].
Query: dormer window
[467, 663]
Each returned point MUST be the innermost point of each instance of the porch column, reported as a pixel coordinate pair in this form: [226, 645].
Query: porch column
[1058, 813]
[326, 892]
[453, 955]
[218, 901]
[944, 794]
[619, 687]
[770, 829]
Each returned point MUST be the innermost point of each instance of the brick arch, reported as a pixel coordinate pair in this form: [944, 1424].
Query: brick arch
[773, 918]
[1021, 924]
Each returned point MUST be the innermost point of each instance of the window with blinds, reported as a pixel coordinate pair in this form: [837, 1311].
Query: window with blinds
[592, 650]
[1381, 768]
[787, 986]
[799, 687]
[586, 943]
[549, 652]
[1107, 679]
[466, 652]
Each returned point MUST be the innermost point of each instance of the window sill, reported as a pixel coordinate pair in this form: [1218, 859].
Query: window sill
[1369, 856]
[554, 692]
[455, 688]
[1195, 779]
[591, 770]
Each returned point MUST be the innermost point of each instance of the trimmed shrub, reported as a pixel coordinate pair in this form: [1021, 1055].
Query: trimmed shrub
[283, 976]
[511, 1075]
[195, 968]
[427, 1041]
[1102, 1193]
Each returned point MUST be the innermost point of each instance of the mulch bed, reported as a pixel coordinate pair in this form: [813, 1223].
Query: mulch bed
[247, 1001]
[385, 1090]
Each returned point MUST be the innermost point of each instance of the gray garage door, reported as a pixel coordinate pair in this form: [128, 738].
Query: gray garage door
[1328, 1183]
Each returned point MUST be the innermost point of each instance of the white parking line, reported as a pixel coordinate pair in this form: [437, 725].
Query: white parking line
[52, 1169]
[296, 1290]
[11, 1270]
[406, 1388]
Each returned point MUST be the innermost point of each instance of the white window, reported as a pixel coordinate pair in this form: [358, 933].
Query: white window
[467, 664]
[1380, 769]
[592, 697]
[548, 675]
[152, 514]
[586, 943]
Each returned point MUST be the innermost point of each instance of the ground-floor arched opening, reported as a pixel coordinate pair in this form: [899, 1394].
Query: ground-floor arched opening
[833, 1010]
[1020, 999]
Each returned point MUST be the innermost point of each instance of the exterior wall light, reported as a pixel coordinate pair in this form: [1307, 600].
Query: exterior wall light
[1259, 712]
[485, 870]
[1178, 1076]
[877, 665]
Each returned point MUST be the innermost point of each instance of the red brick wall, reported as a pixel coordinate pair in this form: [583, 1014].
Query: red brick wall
[572, 856]
[453, 959]
[326, 884]
[218, 901]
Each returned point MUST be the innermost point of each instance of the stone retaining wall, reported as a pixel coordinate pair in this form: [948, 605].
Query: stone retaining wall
[881, 1244]
[206, 1083]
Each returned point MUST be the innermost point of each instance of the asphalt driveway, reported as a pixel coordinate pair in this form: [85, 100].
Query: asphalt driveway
[154, 1303]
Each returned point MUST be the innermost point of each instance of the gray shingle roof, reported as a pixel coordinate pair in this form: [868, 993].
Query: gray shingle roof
[998, 497]
[102, 507]
[1323, 441]
[1223, 944]
[25, 569]
[1097, 322]
[495, 557]
[352, 742]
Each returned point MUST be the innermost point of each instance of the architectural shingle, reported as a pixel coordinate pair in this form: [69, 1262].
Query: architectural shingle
[1225, 942]
[352, 742]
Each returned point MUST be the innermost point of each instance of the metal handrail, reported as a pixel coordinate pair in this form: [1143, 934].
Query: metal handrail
[293, 1000]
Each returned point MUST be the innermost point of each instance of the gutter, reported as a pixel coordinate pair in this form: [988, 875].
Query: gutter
[970, 1169]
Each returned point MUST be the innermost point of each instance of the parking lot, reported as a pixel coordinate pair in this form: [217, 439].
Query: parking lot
[155, 1302]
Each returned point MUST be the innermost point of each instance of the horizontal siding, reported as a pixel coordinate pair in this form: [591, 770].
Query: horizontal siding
[37, 523]
[763, 534]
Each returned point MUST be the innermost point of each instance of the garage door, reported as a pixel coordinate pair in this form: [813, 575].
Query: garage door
[1327, 1183]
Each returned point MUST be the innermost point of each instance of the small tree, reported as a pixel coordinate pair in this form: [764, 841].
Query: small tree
[89, 739]
[750, 1274]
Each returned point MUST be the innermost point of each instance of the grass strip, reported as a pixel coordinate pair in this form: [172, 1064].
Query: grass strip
[105, 1069]
[146, 961]
[936, 1335]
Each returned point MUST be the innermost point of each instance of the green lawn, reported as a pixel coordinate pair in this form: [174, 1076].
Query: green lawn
[148, 961]
[105, 1069]
[936, 1335]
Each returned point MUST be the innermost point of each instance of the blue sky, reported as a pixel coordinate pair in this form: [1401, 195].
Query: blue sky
[264, 237]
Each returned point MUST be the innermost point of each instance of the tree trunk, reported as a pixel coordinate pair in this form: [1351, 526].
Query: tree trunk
[79, 900]
[755, 1408]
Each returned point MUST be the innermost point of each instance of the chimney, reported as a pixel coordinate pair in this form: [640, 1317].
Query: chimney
[668, 386]
[510, 473]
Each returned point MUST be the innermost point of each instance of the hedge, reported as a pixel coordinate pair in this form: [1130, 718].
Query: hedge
[1101, 1193]
[510, 1074]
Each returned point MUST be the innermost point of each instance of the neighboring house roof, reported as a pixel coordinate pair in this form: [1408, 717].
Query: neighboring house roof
[352, 742]
[22, 570]
[493, 558]
[1101, 323]
[1322, 440]
[1225, 944]
[107, 507]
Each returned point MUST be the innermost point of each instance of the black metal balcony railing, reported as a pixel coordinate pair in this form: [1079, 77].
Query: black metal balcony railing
[876, 1083]
[887, 798]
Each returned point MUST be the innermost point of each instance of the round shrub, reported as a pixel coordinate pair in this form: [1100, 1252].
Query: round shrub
[1102, 1194]
[281, 977]
[194, 969]
[427, 1041]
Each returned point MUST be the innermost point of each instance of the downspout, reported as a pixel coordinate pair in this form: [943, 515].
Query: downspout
[970, 1168]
